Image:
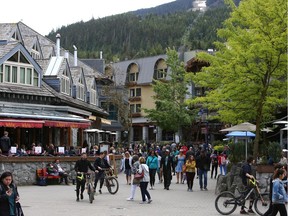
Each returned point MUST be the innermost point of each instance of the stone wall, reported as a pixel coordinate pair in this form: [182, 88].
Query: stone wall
[24, 168]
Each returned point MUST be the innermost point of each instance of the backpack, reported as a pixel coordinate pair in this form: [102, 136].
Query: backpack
[214, 160]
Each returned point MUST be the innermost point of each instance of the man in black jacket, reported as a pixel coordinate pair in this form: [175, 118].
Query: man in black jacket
[5, 144]
[100, 164]
[166, 168]
[203, 165]
[81, 167]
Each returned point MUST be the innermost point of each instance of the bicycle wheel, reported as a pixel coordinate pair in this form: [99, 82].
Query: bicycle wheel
[90, 191]
[262, 206]
[112, 185]
[225, 203]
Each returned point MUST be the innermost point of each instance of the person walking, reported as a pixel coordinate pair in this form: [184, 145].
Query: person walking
[81, 168]
[152, 163]
[8, 195]
[179, 166]
[279, 195]
[100, 164]
[126, 166]
[166, 169]
[135, 182]
[246, 176]
[5, 144]
[214, 163]
[190, 172]
[203, 165]
[144, 181]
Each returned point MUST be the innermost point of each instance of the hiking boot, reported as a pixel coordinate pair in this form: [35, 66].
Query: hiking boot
[251, 211]
[100, 191]
[244, 212]
[82, 197]
[77, 199]
[149, 201]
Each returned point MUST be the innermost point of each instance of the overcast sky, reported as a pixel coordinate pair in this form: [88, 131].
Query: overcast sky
[44, 16]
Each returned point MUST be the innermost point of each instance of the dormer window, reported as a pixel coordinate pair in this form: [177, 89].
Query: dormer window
[35, 52]
[93, 95]
[15, 36]
[65, 83]
[18, 70]
[160, 69]
[80, 89]
[133, 72]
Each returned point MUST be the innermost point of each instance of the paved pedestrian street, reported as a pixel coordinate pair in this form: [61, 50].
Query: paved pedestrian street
[59, 200]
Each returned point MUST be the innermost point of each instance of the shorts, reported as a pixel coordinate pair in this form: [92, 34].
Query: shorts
[127, 172]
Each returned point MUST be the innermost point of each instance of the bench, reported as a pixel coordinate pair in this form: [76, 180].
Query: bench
[42, 177]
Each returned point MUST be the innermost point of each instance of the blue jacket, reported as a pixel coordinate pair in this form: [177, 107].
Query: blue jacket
[279, 195]
[152, 162]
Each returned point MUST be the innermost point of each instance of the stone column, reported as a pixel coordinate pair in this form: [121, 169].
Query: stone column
[145, 134]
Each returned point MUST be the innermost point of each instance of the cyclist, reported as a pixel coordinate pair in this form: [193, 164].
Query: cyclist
[100, 164]
[81, 167]
[246, 178]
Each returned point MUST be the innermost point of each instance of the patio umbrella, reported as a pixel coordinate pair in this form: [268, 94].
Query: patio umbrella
[246, 127]
[240, 134]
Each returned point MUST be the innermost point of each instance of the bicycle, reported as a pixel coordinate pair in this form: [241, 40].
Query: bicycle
[226, 202]
[89, 184]
[110, 181]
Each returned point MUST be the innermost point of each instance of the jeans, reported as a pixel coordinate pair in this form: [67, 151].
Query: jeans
[223, 169]
[202, 174]
[144, 191]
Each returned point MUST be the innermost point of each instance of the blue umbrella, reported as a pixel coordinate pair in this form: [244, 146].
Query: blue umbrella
[240, 134]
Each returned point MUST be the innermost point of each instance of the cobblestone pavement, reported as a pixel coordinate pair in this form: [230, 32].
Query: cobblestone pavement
[61, 200]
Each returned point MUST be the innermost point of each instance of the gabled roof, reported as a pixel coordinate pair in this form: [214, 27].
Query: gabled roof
[9, 49]
[77, 74]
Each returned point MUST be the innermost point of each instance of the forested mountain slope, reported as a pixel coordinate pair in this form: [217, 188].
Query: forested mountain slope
[138, 34]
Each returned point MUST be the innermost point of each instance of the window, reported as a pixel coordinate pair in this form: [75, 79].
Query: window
[93, 95]
[35, 53]
[111, 109]
[18, 70]
[133, 72]
[1, 73]
[80, 89]
[135, 108]
[65, 83]
[160, 69]
[135, 92]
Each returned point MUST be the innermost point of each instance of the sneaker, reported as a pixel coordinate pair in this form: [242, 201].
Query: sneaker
[151, 188]
[149, 201]
[77, 199]
[206, 189]
[244, 212]
[251, 211]
[143, 202]
[100, 191]
[130, 199]
[82, 197]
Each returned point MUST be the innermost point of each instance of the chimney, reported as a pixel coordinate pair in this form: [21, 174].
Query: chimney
[75, 55]
[101, 55]
[58, 36]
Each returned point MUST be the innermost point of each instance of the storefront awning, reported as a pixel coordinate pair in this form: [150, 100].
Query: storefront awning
[67, 124]
[25, 123]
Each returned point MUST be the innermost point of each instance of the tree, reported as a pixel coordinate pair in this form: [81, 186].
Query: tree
[171, 111]
[247, 76]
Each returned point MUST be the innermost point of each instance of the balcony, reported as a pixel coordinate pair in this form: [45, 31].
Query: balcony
[133, 99]
[130, 83]
[136, 114]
